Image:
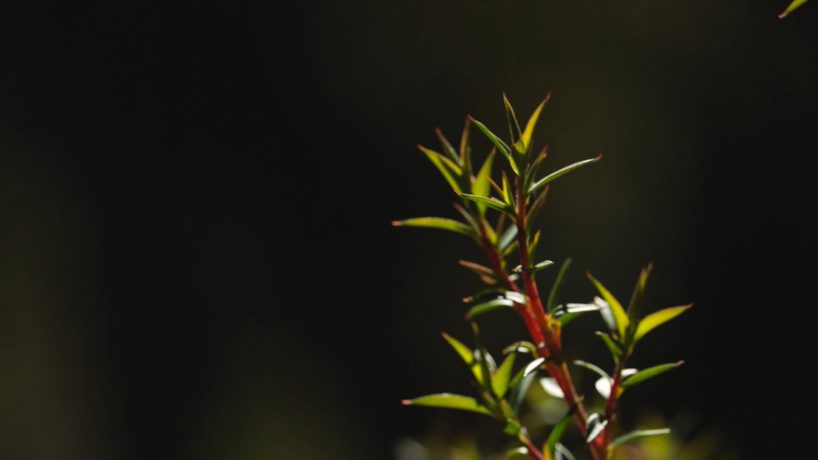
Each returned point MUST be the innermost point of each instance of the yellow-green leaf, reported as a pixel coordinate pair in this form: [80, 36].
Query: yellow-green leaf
[620, 317]
[492, 203]
[501, 146]
[792, 6]
[649, 373]
[448, 169]
[634, 435]
[440, 223]
[528, 133]
[656, 319]
[482, 183]
[561, 172]
[449, 401]
[467, 355]
[499, 382]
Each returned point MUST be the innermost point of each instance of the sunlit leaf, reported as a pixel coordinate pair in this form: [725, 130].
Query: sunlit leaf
[559, 173]
[528, 133]
[658, 318]
[507, 191]
[619, 314]
[507, 237]
[635, 304]
[448, 169]
[447, 147]
[465, 149]
[534, 210]
[649, 373]
[634, 435]
[553, 296]
[533, 366]
[518, 453]
[514, 130]
[492, 203]
[440, 223]
[491, 305]
[519, 389]
[482, 183]
[595, 426]
[569, 312]
[522, 346]
[502, 147]
[556, 433]
[516, 297]
[501, 378]
[562, 453]
[537, 267]
[592, 367]
[449, 401]
[550, 386]
[467, 355]
[603, 384]
[792, 7]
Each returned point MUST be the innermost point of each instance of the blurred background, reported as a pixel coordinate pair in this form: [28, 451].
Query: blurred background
[195, 199]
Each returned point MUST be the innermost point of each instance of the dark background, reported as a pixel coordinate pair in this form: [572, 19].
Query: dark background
[196, 257]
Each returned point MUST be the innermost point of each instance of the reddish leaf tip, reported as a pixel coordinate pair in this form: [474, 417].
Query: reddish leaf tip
[406, 402]
[782, 15]
[598, 157]
[396, 223]
[470, 118]
[680, 362]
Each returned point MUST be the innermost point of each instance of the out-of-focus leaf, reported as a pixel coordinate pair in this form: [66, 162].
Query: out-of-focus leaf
[507, 191]
[448, 169]
[482, 183]
[592, 367]
[519, 389]
[792, 7]
[491, 305]
[537, 267]
[507, 237]
[603, 384]
[447, 147]
[492, 203]
[522, 346]
[534, 210]
[528, 133]
[635, 304]
[553, 295]
[501, 378]
[559, 173]
[516, 297]
[619, 314]
[569, 312]
[658, 318]
[514, 130]
[449, 401]
[595, 426]
[550, 386]
[634, 435]
[486, 274]
[534, 244]
[533, 366]
[465, 150]
[649, 373]
[502, 147]
[519, 453]
[441, 223]
[613, 347]
[562, 453]
[556, 433]
[467, 355]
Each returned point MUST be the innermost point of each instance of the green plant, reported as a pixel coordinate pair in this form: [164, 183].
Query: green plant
[791, 7]
[498, 213]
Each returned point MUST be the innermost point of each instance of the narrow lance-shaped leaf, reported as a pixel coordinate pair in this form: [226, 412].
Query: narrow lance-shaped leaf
[440, 223]
[507, 237]
[569, 312]
[553, 296]
[638, 295]
[595, 426]
[619, 314]
[528, 133]
[649, 373]
[491, 305]
[465, 149]
[467, 355]
[613, 347]
[447, 147]
[634, 435]
[522, 346]
[492, 203]
[449, 401]
[562, 453]
[482, 183]
[448, 169]
[557, 432]
[501, 146]
[501, 378]
[592, 367]
[560, 172]
[514, 130]
[656, 319]
[537, 267]
[792, 7]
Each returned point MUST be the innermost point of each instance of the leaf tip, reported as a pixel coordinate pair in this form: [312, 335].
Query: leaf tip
[406, 402]
[397, 223]
[680, 363]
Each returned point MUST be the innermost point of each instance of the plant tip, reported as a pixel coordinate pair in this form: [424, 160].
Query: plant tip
[396, 223]
[406, 402]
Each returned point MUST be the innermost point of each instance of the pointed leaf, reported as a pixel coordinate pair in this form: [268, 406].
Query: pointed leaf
[619, 314]
[569, 312]
[482, 183]
[519, 389]
[603, 384]
[562, 453]
[559, 173]
[440, 223]
[507, 192]
[649, 373]
[634, 435]
[595, 425]
[448, 169]
[501, 378]
[522, 346]
[533, 366]
[449, 401]
[492, 203]
[613, 347]
[465, 150]
[658, 318]
[502, 147]
[528, 133]
[507, 237]
[467, 355]
[556, 433]
[553, 296]
[792, 7]
[537, 267]
[635, 304]
[550, 386]
[514, 130]
[491, 305]
[447, 147]
[592, 367]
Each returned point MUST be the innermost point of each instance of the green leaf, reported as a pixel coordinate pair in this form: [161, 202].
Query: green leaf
[559, 173]
[501, 146]
[519, 389]
[620, 317]
[448, 169]
[486, 307]
[634, 435]
[528, 133]
[514, 130]
[613, 347]
[562, 453]
[482, 183]
[507, 192]
[465, 150]
[449, 401]
[656, 319]
[467, 355]
[569, 312]
[440, 223]
[792, 7]
[532, 367]
[518, 453]
[523, 346]
[635, 304]
[447, 147]
[507, 237]
[536, 207]
[649, 373]
[557, 432]
[501, 378]
[592, 367]
[553, 296]
[492, 203]
[537, 267]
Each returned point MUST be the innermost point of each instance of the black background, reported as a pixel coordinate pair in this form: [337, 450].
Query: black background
[197, 261]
